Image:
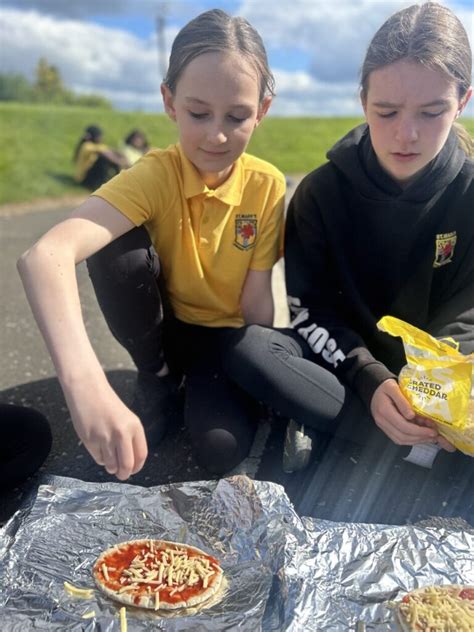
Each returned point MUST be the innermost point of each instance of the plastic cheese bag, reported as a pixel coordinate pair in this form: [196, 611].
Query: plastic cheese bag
[437, 381]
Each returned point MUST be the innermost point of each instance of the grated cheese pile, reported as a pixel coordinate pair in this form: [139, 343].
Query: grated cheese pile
[170, 569]
[435, 610]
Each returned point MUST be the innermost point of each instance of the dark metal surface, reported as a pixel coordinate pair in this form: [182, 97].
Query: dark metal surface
[349, 483]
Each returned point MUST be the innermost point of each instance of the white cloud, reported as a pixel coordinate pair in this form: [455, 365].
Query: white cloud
[83, 9]
[331, 39]
[300, 94]
[334, 35]
[90, 58]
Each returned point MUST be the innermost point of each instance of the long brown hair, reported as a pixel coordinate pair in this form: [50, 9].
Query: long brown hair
[92, 133]
[429, 34]
[216, 31]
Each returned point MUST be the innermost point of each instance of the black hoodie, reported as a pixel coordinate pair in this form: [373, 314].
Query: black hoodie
[359, 247]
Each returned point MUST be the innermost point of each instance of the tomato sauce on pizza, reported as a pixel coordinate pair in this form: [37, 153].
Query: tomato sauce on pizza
[157, 574]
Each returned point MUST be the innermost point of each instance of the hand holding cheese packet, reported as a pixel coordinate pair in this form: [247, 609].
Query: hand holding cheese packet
[437, 381]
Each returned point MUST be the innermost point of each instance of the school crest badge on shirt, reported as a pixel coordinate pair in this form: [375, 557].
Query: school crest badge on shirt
[445, 243]
[245, 231]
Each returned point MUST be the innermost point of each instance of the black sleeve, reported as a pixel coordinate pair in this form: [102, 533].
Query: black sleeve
[451, 312]
[315, 302]
[455, 319]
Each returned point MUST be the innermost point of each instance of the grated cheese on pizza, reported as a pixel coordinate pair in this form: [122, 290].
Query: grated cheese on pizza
[439, 609]
[157, 574]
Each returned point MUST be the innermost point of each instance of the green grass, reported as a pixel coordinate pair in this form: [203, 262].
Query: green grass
[38, 141]
[298, 145]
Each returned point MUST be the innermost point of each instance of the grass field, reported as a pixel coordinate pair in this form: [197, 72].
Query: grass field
[38, 142]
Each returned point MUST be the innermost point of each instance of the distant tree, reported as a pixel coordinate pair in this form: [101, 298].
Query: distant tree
[15, 88]
[48, 87]
[92, 101]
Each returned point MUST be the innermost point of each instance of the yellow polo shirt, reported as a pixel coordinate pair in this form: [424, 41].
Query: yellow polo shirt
[88, 154]
[207, 239]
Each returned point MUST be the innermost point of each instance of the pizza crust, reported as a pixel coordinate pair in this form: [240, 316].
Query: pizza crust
[449, 590]
[120, 575]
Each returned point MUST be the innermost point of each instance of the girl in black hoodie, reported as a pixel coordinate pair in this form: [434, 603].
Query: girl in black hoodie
[385, 227]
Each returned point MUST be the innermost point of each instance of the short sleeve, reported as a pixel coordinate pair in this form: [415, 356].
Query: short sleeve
[139, 192]
[269, 247]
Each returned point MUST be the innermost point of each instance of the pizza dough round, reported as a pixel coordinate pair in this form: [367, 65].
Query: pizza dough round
[157, 574]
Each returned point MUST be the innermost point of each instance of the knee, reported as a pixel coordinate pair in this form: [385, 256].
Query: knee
[218, 451]
[30, 429]
[113, 262]
[127, 258]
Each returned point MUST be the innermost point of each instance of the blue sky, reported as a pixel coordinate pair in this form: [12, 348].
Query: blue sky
[315, 47]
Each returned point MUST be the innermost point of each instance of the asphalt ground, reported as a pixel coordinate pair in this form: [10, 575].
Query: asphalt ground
[344, 482]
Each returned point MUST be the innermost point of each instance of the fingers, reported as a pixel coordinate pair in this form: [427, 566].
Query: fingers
[95, 452]
[110, 431]
[109, 458]
[131, 455]
[403, 432]
[140, 450]
[127, 455]
[424, 421]
[124, 456]
[435, 437]
[445, 444]
[410, 428]
[125, 460]
[394, 415]
[399, 400]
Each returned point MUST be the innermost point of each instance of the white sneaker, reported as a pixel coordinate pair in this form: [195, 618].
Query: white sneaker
[297, 448]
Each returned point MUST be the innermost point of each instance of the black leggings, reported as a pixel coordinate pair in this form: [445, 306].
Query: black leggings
[101, 171]
[220, 416]
[276, 366]
[25, 443]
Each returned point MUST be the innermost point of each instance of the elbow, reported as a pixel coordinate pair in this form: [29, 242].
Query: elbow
[263, 316]
[23, 263]
[33, 259]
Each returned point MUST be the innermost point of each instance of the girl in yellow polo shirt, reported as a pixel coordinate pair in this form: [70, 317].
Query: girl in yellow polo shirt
[95, 162]
[214, 215]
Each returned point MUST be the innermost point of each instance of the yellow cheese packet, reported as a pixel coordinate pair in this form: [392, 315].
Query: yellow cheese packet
[437, 381]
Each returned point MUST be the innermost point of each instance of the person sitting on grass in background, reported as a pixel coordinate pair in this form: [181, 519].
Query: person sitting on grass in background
[385, 227]
[134, 146]
[95, 162]
[25, 443]
[214, 215]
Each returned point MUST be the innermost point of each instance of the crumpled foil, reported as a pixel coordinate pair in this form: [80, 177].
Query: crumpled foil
[284, 572]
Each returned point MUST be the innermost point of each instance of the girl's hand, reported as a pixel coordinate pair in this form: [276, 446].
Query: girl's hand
[110, 431]
[444, 443]
[395, 417]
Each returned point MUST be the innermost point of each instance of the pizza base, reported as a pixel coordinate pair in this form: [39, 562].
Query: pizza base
[131, 598]
[449, 589]
[150, 615]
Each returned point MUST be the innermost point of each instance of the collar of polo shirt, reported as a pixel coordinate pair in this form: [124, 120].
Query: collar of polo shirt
[230, 192]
